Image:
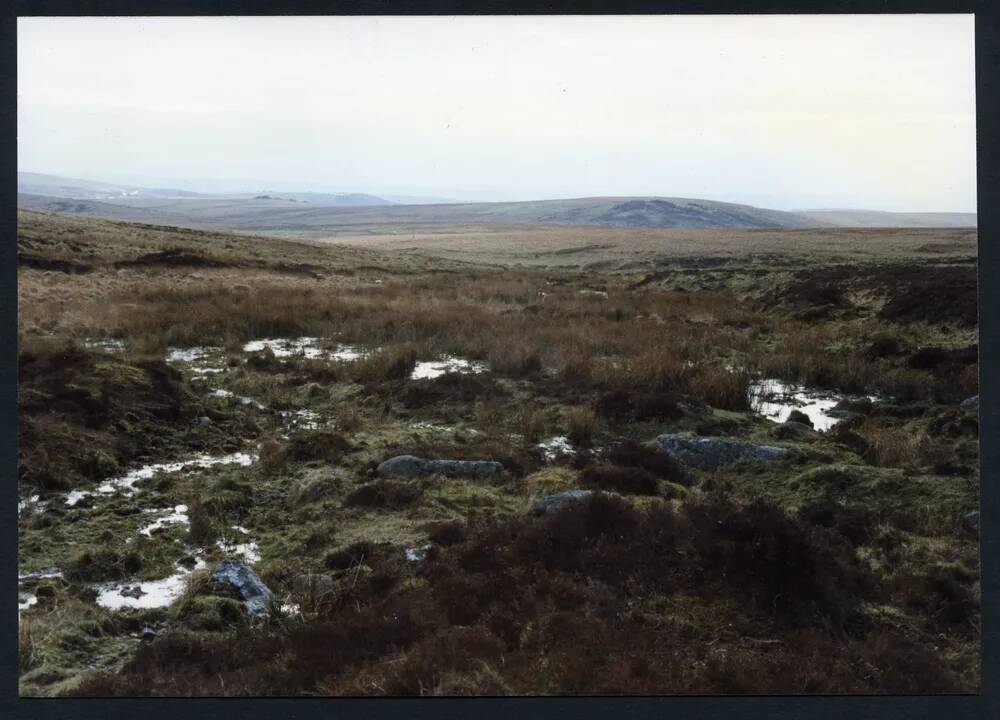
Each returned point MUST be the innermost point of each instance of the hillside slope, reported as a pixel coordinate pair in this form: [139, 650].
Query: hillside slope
[282, 214]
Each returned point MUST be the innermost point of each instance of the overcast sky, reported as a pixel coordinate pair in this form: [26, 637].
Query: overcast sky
[784, 112]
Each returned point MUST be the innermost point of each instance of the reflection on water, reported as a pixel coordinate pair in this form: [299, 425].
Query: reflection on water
[775, 399]
[429, 369]
[150, 594]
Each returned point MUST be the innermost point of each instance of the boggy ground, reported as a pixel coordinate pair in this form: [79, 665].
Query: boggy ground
[841, 567]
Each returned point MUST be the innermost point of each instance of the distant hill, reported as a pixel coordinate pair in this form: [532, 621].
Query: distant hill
[297, 211]
[55, 186]
[285, 213]
[878, 218]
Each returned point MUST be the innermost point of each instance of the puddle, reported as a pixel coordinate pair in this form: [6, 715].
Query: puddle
[25, 600]
[149, 594]
[192, 354]
[287, 347]
[555, 448]
[432, 427]
[775, 400]
[302, 419]
[308, 347]
[416, 554]
[127, 482]
[25, 597]
[195, 357]
[347, 353]
[44, 573]
[243, 399]
[108, 345]
[177, 516]
[428, 370]
[249, 551]
[34, 502]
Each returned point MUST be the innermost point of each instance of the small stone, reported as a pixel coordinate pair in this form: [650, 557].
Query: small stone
[792, 430]
[797, 416]
[559, 501]
[710, 453]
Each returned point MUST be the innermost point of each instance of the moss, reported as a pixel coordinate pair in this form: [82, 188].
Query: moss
[98, 564]
[119, 374]
[316, 485]
[212, 613]
[549, 480]
[909, 498]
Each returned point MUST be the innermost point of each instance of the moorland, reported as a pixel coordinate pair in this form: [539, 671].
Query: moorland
[189, 396]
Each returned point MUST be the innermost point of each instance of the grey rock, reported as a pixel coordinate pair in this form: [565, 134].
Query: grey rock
[240, 579]
[132, 592]
[411, 466]
[710, 453]
[846, 416]
[797, 416]
[971, 404]
[204, 420]
[791, 430]
[403, 466]
[860, 406]
[969, 524]
[559, 501]
[148, 633]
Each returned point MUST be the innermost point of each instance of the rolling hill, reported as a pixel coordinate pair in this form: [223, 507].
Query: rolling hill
[336, 213]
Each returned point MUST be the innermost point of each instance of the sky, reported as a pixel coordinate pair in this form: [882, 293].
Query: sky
[787, 112]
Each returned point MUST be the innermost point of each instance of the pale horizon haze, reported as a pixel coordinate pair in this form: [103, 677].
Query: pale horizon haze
[785, 112]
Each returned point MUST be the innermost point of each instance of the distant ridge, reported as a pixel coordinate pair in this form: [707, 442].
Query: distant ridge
[291, 211]
[56, 186]
[881, 218]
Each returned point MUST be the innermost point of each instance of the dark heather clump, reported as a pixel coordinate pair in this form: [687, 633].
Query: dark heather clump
[384, 494]
[552, 604]
[631, 480]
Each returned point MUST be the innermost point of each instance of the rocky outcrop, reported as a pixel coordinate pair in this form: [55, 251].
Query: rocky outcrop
[710, 453]
[559, 501]
[791, 430]
[238, 579]
[410, 466]
[797, 416]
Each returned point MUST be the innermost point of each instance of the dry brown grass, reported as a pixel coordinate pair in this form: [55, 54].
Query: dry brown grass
[581, 424]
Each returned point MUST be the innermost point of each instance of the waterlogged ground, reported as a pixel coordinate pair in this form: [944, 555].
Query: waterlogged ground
[153, 449]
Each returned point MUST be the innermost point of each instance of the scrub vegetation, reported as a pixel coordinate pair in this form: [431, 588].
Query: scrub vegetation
[849, 564]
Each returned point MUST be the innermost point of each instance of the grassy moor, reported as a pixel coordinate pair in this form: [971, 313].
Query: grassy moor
[481, 459]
